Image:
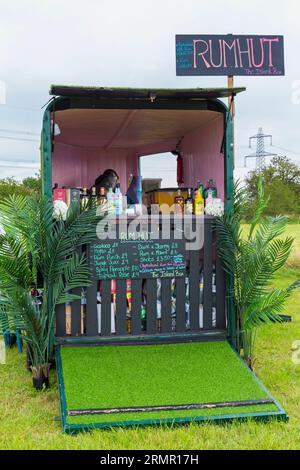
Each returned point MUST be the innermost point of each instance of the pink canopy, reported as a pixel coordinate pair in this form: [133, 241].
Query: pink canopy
[92, 140]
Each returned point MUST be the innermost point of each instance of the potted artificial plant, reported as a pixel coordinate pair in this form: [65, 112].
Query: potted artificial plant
[251, 261]
[40, 253]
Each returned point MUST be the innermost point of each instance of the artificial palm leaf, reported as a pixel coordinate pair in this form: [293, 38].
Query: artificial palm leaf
[250, 261]
[39, 252]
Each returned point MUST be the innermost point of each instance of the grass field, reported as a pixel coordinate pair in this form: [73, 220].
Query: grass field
[27, 416]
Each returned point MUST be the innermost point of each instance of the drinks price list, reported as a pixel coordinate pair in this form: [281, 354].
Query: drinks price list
[137, 259]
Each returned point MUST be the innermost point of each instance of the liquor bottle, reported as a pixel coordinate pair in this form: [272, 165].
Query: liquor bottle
[179, 202]
[209, 198]
[68, 196]
[84, 199]
[94, 196]
[199, 200]
[75, 197]
[102, 199]
[189, 203]
[210, 189]
[111, 201]
[118, 200]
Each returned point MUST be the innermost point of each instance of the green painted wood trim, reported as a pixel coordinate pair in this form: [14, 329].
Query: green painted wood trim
[229, 185]
[125, 92]
[228, 161]
[280, 408]
[215, 419]
[209, 335]
[46, 160]
[61, 389]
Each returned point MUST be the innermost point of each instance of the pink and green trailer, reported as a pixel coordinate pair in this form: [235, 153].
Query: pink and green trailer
[89, 129]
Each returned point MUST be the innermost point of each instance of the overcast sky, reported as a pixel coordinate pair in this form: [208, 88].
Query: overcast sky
[132, 43]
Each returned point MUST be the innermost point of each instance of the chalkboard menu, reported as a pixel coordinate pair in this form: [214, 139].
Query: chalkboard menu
[218, 54]
[134, 259]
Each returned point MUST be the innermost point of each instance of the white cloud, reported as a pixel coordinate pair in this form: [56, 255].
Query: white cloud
[132, 43]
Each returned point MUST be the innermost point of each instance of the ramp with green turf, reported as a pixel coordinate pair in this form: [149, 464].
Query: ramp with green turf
[104, 386]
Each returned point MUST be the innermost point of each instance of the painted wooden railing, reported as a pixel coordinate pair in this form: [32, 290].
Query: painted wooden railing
[194, 303]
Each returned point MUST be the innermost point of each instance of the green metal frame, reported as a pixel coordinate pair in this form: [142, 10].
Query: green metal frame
[218, 418]
[231, 315]
[46, 155]
[210, 335]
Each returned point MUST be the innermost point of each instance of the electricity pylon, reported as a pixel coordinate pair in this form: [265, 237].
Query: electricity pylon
[260, 153]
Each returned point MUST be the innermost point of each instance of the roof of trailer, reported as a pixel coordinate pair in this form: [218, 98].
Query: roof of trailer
[143, 93]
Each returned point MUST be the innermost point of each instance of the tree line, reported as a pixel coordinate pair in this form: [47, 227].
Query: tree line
[281, 180]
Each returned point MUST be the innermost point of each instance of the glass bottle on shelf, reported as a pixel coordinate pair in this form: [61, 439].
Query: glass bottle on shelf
[84, 199]
[210, 190]
[111, 201]
[102, 199]
[189, 203]
[118, 200]
[199, 200]
[94, 196]
[179, 202]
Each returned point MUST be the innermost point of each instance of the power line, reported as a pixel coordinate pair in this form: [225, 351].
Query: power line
[12, 159]
[13, 131]
[286, 150]
[21, 107]
[18, 138]
[8, 165]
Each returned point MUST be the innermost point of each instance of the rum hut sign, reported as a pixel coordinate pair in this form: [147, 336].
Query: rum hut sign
[229, 55]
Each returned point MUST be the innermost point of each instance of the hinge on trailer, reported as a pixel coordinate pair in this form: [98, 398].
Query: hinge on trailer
[152, 96]
[226, 123]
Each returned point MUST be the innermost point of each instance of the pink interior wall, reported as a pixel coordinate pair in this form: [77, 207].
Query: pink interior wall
[201, 155]
[75, 166]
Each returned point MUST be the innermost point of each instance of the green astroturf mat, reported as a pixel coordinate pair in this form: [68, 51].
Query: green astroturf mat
[153, 375]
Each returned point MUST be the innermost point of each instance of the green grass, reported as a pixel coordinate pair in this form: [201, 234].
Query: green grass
[121, 376]
[27, 416]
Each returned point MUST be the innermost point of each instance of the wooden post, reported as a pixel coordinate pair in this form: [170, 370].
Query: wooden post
[230, 84]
